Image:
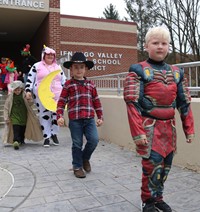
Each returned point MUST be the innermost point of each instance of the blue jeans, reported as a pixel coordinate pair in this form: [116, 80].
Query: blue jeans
[78, 129]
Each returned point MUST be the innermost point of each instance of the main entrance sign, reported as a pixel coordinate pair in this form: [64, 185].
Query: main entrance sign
[23, 3]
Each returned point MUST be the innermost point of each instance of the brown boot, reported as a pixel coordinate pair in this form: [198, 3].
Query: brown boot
[86, 165]
[79, 173]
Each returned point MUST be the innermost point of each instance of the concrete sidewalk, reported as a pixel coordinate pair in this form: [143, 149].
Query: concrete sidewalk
[38, 179]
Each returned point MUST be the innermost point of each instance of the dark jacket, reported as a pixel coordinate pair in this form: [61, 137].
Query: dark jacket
[27, 63]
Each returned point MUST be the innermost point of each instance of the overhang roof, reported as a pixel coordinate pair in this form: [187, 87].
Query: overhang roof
[19, 25]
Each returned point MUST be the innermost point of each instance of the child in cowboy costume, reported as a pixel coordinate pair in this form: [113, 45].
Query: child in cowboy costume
[153, 90]
[82, 101]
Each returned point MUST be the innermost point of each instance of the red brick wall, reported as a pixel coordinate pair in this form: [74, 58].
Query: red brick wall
[54, 3]
[112, 51]
[54, 31]
[117, 44]
[54, 26]
[71, 34]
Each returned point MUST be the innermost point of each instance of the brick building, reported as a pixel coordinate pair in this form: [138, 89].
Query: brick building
[112, 45]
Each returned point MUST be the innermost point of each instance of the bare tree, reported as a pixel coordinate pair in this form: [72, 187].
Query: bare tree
[143, 13]
[182, 19]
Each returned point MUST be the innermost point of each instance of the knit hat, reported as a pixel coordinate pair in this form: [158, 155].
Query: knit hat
[78, 57]
[26, 50]
[16, 84]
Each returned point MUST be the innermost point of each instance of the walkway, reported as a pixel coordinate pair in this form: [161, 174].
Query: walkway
[38, 179]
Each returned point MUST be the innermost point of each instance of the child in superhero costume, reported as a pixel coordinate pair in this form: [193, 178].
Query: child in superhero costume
[153, 90]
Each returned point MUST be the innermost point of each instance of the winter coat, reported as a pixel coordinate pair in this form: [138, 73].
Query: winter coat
[33, 129]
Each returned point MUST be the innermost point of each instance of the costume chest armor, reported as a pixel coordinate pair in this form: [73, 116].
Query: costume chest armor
[159, 91]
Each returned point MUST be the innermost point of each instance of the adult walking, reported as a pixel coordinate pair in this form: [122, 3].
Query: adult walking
[38, 72]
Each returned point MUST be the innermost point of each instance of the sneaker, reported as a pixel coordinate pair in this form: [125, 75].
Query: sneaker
[148, 207]
[46, 143]
[22, 142]
[55, 140]
[16, 145]
[86, 165]
[162, 206]
[79, 173]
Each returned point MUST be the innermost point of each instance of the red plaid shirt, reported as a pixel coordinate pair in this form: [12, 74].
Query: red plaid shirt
[81, 98]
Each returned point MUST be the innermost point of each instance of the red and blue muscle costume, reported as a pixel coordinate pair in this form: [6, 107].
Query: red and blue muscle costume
[152, 92]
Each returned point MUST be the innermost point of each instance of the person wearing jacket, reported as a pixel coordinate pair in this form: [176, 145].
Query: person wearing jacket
[21, 121]
[27, 62]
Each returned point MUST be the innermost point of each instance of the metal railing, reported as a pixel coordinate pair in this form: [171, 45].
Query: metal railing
[192, 73]
[110, 82]
[115, 82]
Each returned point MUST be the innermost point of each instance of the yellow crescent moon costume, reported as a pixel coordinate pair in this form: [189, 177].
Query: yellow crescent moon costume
[45, 94]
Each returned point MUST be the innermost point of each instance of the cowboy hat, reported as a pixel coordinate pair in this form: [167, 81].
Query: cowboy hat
[78, 57]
